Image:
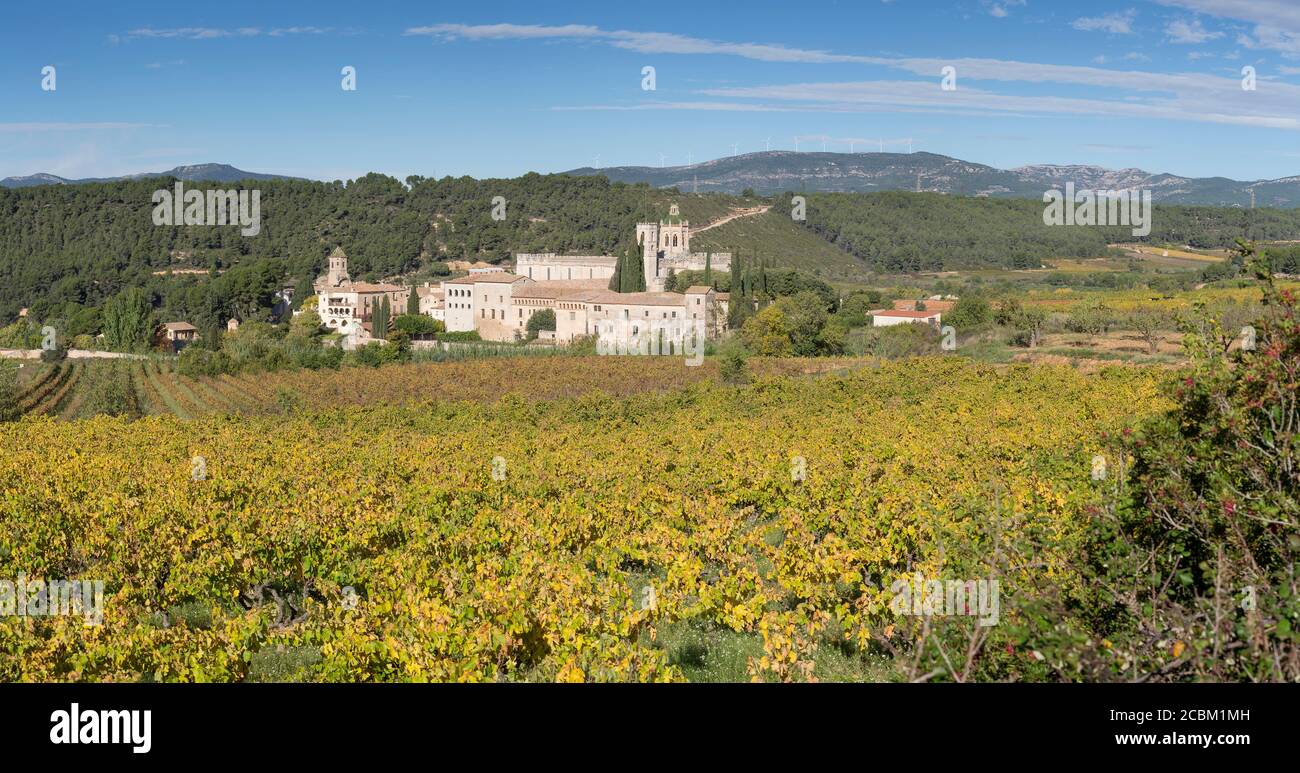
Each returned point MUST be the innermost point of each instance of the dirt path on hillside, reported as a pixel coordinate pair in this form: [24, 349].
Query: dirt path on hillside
[748, 212]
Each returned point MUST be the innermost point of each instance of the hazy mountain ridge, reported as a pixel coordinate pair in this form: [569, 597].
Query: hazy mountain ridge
[191, 172]
[778, 171]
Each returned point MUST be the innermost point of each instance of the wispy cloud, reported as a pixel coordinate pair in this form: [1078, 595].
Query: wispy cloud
[1169, 96]
[1001, 8]
[1118, 23]
[1277, 22]
[210, 33]
[70, 127]
[1189, 32]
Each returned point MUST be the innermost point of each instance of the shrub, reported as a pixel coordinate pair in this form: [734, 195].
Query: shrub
[542, 320]
[971, 311]
[195, 361]
[734, 366]
[418, 325]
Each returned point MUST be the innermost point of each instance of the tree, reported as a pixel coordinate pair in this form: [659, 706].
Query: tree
[418, 325]
[970, 311]
[805, 316]
[128, 320]
[379, 318]
[413, 301]
[766, 334]
[541, 320]
[1148, 323]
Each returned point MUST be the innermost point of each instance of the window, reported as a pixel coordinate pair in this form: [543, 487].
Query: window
[573, 315]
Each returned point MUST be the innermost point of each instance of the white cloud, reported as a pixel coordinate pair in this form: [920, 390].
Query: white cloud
[1168, 96]
[1189, 32]
[1277, 22]
[1116, 23]
[1001, 8]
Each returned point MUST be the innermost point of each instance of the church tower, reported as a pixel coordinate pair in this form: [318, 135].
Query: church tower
[647, 235]
[338, 268]
[675, 234]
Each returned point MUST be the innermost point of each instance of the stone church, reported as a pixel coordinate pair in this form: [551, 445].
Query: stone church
[665, 247]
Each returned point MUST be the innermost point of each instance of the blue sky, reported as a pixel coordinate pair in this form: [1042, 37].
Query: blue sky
[502, 88]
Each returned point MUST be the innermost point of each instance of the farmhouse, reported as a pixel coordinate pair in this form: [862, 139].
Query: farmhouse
[178, 335]
[887, 317]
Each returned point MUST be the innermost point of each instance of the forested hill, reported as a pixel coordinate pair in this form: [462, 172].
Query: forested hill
[905, 232]
[84, 243]
[65, 249]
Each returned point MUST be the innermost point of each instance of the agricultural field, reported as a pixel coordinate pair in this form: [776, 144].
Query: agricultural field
[672, 528]
[152, 387]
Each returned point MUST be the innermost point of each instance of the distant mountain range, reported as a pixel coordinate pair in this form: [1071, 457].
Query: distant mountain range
[221, 173]
[782, 170]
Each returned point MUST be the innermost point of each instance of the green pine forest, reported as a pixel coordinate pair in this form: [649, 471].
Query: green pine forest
[66, 249]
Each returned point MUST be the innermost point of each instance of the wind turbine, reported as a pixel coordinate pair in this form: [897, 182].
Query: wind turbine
[734, 148]
[597, 161]
[796, 143]
[882, 144]
[690, 158]
[767, 144]
[851, 144]
[909, 144]
[823, 144]
[661, 160]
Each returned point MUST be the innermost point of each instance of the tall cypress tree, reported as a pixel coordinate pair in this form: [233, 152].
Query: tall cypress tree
[379, 319]
[616, 281]
[413, 301]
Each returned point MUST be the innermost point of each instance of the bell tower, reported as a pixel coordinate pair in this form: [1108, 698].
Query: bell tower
[647, 235]
[338, 268]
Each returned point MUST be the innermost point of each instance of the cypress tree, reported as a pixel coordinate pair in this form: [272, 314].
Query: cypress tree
[413, 301]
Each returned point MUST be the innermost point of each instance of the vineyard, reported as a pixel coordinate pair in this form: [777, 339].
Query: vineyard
[672, 528]
[152, 387]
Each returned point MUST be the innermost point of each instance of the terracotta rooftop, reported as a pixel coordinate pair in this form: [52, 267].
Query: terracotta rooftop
[557, 288]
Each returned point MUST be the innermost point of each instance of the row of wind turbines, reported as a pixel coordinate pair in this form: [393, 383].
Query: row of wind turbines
[852, 142]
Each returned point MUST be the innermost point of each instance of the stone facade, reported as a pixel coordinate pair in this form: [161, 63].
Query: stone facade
[665, 247]
[347, 307]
